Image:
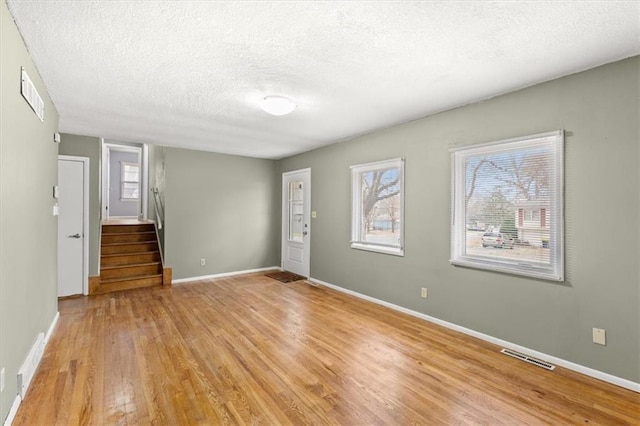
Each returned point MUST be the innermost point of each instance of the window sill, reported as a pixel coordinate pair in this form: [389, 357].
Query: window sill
[527, 271]
[395, 251]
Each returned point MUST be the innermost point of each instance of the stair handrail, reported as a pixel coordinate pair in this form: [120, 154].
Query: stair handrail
[159, 208]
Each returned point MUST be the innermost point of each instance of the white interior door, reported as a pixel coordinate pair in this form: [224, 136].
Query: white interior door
[71, 229]
[296, 221]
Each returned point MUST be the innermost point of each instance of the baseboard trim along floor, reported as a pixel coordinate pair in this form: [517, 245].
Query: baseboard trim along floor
[224, 274]
[18, 400]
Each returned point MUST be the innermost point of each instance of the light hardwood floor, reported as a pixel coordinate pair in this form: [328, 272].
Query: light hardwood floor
[251, 350]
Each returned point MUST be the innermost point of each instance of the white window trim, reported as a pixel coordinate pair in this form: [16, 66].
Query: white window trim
[356, 191]
[555, 271]
[122, 181]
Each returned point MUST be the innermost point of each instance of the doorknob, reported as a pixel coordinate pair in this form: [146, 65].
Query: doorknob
[74, 236]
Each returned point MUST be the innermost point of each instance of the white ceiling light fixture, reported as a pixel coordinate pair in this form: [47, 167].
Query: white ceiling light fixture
[277, 105]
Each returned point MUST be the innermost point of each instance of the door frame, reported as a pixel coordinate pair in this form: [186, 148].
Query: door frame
[143, 159]
[85, 218]
[285, 220]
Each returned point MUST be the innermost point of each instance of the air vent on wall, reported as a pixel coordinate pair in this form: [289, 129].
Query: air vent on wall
[31, 95]
[528, 359]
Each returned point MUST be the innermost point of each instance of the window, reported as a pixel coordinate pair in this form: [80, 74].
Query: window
[507, 212]
[532, 215]
[129, 181]
[378, 204]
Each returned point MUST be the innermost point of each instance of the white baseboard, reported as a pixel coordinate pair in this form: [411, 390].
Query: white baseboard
[18, 400]
[222, 275]
[13, 411]
[605, 377]
[51, 328]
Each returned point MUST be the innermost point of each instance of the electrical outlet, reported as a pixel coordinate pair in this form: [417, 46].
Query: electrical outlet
[599, 336]
[2, 380]
[203, 262]
[423, 293]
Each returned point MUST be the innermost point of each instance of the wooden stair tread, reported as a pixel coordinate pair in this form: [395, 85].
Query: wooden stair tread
[138, 277]
[127, 233]
[132, 265]
[128, 243]
[129, 254]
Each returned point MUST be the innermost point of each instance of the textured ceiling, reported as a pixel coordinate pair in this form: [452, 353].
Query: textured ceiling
[192, 74]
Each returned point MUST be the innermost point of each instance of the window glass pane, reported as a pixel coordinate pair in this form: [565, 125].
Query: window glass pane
[296, 210]
[498, 186]
[130, 172]
[130, 177]
[380, 221]
[377, 206]
[130, 190]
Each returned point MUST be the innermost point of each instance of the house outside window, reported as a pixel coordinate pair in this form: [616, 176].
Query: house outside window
[129, 181]
[378, 206]
[507, 206]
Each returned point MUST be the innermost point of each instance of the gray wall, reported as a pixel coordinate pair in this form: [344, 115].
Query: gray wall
[223, 208]
[117, 207]
[28, 229]
[599, 110]
[87, 146]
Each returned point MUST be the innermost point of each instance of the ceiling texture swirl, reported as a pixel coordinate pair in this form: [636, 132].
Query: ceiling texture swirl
[192, 74]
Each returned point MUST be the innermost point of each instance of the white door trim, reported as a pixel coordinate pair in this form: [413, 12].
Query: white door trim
[104, 180]
[85, 218]
[144, 185]
[307, 220]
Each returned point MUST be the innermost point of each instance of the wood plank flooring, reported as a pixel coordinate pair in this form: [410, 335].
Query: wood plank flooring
[252, 350]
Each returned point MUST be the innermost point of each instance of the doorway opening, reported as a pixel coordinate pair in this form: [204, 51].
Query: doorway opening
[124, 181]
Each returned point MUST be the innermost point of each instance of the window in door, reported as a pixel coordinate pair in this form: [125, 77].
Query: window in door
[296, 210]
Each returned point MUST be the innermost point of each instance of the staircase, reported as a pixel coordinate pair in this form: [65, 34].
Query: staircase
[130, 258]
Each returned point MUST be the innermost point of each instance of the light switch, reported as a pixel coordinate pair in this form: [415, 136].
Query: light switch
[314, 214]
[56, 210]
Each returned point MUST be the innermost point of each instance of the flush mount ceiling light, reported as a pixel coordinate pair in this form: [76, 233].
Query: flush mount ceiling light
[277, 105]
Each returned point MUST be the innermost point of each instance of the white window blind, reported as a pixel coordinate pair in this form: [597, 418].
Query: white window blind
[378, 206]
[508, 206]
[129, 181]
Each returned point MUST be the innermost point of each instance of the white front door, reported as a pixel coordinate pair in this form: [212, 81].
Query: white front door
[296, 221]
[71, 229]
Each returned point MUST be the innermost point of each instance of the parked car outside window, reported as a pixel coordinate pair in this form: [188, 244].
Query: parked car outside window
[491, 239]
